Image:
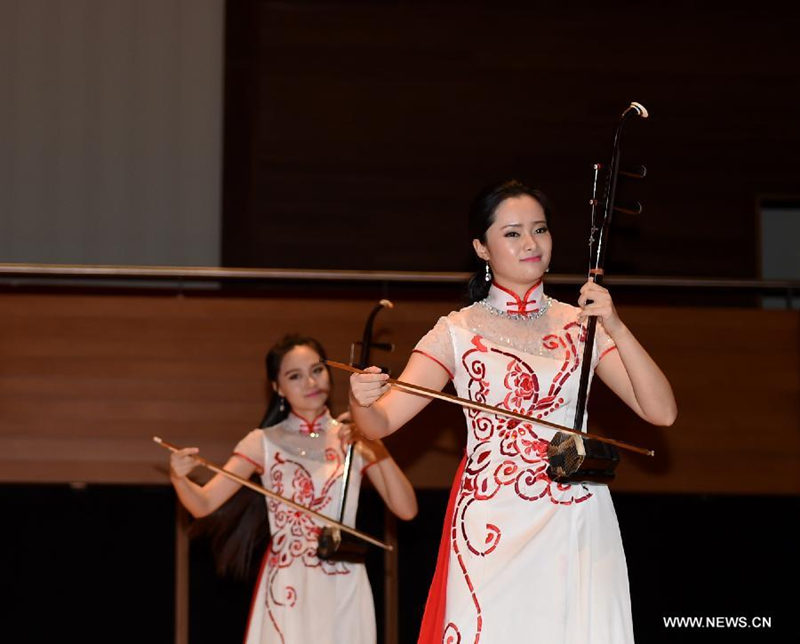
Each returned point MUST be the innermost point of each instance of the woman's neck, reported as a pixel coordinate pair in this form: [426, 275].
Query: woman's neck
[522, 291]
[310, 415]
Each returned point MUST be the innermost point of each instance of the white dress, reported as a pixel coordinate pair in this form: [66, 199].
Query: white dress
[523, 559]
[298, 597]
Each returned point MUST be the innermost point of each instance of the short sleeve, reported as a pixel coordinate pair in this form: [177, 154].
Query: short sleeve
[603, 344]
[251, 448]
[437, 345]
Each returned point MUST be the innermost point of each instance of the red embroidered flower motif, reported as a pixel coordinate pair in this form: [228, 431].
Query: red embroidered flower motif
[304, 488]
[295, 533]
[520, 439]
[507, 453]
[522, 386]
[509, 430]
[533, 449]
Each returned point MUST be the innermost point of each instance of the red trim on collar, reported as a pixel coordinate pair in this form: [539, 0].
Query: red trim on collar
[519, 306]
[307, 427]
[532, 288]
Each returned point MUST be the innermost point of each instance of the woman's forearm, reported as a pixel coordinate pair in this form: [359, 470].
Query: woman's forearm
[372, 421]
[202, 500]
[378, 410]
[631, 373]
[650, 386]
[395, 488]
[191, 495]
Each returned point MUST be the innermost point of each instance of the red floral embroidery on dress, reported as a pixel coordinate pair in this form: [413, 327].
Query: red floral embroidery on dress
[295, 533]
[451, 634]
[522, 385]
[509, 452]
[477, 341]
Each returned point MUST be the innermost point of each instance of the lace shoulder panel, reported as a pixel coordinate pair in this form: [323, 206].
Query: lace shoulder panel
[437, 344]
[529, 334]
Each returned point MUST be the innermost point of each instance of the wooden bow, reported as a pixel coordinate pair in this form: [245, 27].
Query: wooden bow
[272, 495]
[471, 404]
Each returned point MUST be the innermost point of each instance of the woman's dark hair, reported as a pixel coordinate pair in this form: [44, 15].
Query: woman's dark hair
[238, 530]
[481, 216]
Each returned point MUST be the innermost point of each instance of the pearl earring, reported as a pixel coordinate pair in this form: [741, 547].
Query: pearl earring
[281, 407]
[488, 277]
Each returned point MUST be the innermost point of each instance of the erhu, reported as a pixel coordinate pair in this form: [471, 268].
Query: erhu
[573, 454]
[333, 544]
[574, 458]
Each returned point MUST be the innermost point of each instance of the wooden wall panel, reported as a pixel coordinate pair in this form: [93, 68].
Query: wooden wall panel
[87, 380]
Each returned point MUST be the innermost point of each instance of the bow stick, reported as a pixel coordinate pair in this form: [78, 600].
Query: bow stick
[269, 493]
[432, 393]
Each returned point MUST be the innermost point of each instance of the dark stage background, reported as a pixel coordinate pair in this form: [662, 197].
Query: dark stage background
[356, 133]
[94, 565]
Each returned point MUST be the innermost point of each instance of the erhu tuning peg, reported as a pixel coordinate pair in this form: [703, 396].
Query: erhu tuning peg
[632, 208]
[383, 346]
[636, 172]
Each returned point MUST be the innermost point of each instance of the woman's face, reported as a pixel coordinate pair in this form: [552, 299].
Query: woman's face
[518, 243]
[304, 381]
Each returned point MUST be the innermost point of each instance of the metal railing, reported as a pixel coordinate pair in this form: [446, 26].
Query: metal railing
[180, 277]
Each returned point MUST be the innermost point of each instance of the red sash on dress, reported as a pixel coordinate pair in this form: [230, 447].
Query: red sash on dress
[430, 631]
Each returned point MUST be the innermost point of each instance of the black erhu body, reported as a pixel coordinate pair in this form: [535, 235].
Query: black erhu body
[333, 544]
[572, 458]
